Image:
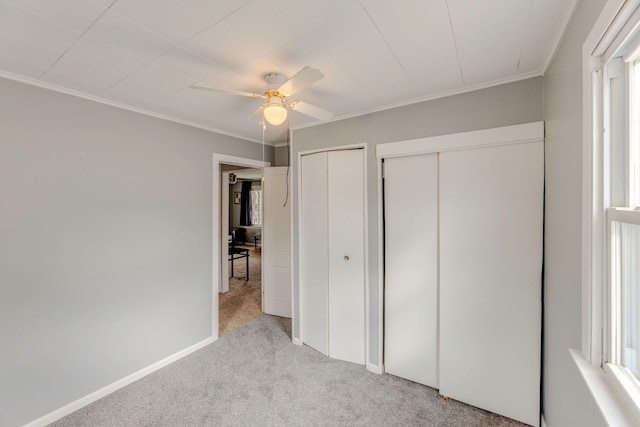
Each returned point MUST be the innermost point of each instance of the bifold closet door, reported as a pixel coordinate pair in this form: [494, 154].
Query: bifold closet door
[411, 268]
[491, 212]
[346, 255]
[332, 253]
[314, 263]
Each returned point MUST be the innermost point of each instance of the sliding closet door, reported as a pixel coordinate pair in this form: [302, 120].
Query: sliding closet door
[490, 278]
[411, 268]
[314, 267]
[346, 255]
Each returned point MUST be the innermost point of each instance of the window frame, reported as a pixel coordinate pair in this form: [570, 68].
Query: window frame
[616, 32]
[258, 192]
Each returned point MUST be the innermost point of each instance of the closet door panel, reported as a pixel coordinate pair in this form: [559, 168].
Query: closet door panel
[314, 266]
[346, 255]
[411, 268]
[491, 210]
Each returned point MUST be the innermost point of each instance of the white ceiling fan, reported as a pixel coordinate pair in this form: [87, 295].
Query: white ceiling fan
[278, 92]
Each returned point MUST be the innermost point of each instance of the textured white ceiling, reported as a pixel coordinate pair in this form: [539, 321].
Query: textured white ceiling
[374, 54]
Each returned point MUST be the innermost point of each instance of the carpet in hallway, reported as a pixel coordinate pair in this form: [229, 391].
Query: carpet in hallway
[243, 302]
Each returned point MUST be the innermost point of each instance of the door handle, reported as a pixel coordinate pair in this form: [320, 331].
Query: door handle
[346, 257]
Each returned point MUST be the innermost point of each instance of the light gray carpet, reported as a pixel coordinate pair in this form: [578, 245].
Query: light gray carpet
[255, 376]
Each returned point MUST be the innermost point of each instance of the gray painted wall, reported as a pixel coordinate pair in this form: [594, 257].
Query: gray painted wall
[282, 159]
[509, 104]
[105, 244]
[566, 401]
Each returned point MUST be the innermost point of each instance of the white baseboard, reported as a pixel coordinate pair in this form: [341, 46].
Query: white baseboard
[296, 341]
[376, 369]
[92, 397]
[542, 423]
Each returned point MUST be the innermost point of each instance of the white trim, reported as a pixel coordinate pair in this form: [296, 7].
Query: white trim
[516, 134]
[376, 369]
[590, 346]
[296, 340]
[365, 233]
[440, 95]
[92, 397]
[612, 19]
[610, 23]
[542, 421]
[216, 255]
[380, 176]
[50, 86]
[626, 386]
[606, 397]
[559, 37]
[607, 35]
[323, 150]
[223, 285]
[299, 256]
[630, 216]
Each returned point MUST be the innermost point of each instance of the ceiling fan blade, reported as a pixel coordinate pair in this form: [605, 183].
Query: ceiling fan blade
[230, 92]
[303, 78]
[312, 110]
[256, 114]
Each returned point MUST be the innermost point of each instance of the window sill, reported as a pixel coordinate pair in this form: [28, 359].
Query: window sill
[625, 386]
[613, 406]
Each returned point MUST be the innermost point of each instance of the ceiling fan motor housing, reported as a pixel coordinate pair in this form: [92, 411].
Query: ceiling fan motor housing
[274, 80]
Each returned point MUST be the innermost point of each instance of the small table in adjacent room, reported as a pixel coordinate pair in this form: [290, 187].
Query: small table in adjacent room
[239, 253]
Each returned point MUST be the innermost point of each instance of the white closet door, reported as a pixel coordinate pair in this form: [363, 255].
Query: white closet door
[314, 268]
[411, 268]
[346, 255]
[491, 206]
[276, 242]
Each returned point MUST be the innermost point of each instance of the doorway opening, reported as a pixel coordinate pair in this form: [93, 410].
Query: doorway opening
[220, 243]
[240, 298]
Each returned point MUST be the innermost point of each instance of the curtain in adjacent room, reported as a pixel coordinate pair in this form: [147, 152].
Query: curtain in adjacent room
[245, 204]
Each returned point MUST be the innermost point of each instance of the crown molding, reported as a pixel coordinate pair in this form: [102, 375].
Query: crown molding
[445, 94]
[55, 88]
[426, 98]
[559, 36]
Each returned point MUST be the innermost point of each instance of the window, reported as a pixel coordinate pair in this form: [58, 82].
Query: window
[255, 201]
[621, 212]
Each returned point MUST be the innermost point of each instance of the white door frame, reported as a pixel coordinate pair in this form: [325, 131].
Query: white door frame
[218, 236]
[523, 133]
[363, 146]
[224, 225]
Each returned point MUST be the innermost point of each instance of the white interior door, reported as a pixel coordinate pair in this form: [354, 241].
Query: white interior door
[411, 268]
[276, 242]
[491, 210]
[346, 255]
[313, 246]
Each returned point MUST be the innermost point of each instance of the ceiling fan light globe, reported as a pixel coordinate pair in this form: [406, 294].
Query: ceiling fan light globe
[275, 113]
